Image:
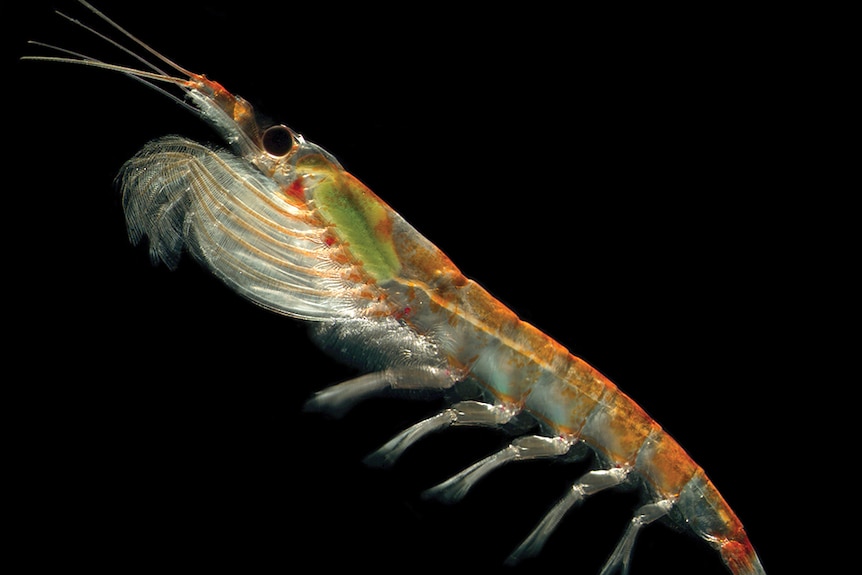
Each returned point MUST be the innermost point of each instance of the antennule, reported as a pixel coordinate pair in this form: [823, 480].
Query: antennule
[134, 39]
[85, 61]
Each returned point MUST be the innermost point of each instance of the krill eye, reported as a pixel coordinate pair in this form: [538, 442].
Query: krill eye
[277, 140]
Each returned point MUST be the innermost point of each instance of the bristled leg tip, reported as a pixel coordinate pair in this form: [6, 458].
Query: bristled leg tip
[321, 403]
[379, 460]
[511, 561]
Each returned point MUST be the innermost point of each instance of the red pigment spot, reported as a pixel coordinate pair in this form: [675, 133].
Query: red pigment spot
[329, 240]
[384, 228]
[402, 313]
[296, 189]
[216, 87]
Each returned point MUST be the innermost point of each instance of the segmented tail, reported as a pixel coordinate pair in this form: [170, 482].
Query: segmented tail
[740, 558]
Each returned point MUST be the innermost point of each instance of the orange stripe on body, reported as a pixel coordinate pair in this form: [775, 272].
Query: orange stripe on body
[665, 465]
[586, 403]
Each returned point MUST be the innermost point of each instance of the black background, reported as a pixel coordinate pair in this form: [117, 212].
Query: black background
[611, 177]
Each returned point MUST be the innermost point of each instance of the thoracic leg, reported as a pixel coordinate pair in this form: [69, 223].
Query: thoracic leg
[621, 557]
[337, 399]
[591, 483]
[522, 449]
[472, 413]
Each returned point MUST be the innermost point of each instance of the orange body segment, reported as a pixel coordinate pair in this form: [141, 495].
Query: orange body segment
[665, 465]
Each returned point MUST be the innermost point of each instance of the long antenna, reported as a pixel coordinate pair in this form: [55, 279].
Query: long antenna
[134, 39]
[112, 42]
[82, 60]
[145, 77]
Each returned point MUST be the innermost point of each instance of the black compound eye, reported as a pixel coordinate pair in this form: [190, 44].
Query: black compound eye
[277, 140]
